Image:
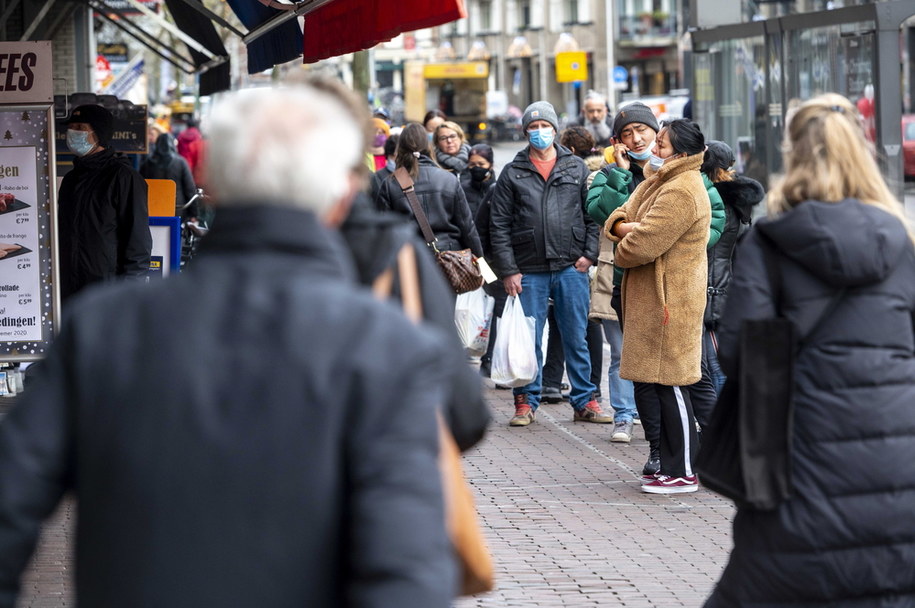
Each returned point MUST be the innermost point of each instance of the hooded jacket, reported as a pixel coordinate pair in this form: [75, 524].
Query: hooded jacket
[846, 537]
[166, 163]
[739, 197]
[537, 225]
[664, 287]
[103, 222]
[443, 201]
[374, 240]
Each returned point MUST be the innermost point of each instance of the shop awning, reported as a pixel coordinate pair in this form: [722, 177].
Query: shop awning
[215, 74]
[347, 26]
[279, 45]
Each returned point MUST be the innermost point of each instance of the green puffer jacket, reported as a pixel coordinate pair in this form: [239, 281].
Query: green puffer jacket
[612, 187]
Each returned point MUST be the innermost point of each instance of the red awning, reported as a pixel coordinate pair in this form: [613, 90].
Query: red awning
[347, 26]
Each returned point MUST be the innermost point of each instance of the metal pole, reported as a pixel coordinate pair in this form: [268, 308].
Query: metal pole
[37, 20]
[888, 97]
[174, 29]
[200, 8]
[610, 36]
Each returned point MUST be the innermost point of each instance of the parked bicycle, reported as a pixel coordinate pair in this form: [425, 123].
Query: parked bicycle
[193, 229]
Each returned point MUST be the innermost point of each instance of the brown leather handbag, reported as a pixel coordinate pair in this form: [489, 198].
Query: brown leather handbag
[460, 267]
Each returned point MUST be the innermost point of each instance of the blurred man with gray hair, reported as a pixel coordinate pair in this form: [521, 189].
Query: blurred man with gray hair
[240, 435]
[595, 118]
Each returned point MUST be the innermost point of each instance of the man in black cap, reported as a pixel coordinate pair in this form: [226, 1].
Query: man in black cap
[103, 217]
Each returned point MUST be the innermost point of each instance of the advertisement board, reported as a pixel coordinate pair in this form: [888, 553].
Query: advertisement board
[28, 302]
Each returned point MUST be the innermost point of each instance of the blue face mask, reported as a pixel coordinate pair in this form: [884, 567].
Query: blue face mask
[656, 162]
[641, 155]
[541, 138]
[78, 142]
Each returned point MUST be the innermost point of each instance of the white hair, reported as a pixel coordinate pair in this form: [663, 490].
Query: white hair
[292, 146]
[595, 96]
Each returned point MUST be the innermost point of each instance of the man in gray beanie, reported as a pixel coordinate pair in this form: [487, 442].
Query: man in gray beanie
[103, 214]
[543, 243]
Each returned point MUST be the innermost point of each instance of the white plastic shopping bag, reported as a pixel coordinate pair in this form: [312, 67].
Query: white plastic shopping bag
[472, 317]
[514, 360]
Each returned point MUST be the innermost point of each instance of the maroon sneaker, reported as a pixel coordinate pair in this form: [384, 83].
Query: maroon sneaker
[665, 484]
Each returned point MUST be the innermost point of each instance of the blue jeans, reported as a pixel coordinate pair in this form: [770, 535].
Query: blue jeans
[622, 395]
[571, 297]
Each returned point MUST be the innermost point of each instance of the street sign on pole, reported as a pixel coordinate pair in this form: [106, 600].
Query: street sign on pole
[571, 66]
[620, 78]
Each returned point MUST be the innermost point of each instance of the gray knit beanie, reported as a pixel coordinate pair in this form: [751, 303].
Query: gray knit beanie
[634, 112]
[539, 110]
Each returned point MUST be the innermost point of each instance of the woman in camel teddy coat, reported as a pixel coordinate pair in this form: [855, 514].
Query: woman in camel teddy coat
[661, 235]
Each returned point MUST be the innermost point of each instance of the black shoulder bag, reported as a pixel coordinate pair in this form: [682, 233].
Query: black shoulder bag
[745, 453]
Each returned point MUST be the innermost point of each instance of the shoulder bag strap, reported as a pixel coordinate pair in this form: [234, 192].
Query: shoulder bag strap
[406, 185]
[771, 255]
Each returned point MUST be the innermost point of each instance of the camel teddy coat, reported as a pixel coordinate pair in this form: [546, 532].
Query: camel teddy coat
[664, 287]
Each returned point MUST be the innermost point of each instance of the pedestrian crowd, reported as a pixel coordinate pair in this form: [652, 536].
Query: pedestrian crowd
[314, 340]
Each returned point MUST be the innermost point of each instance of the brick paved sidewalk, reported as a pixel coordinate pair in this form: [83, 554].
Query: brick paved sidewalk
[568, 525]
[564, 516]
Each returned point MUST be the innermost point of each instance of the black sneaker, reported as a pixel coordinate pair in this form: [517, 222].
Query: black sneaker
[550, 394]
[653, 465]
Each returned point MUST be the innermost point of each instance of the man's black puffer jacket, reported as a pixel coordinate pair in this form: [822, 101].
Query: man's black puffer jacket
[739, 196]
[442, 198]
[538, 226]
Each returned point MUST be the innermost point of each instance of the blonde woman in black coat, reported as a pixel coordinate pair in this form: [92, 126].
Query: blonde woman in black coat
[846, 536]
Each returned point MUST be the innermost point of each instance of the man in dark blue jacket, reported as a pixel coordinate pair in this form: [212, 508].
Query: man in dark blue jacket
[543, 243]
[241, 435]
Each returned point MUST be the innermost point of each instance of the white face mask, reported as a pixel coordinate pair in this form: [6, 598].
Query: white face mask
[656, 162]
[646, 153]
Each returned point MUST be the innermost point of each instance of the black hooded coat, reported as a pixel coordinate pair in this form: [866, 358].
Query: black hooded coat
[166, 163]
[846, 537]
[739, 197]
[103, 222]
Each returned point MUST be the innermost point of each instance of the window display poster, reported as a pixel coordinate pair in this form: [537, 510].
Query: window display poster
[26, 297]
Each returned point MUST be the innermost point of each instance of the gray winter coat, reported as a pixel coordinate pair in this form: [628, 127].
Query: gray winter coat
[538, 226]
[846, 537]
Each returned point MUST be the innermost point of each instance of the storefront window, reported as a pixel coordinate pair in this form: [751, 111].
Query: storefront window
[736, 108]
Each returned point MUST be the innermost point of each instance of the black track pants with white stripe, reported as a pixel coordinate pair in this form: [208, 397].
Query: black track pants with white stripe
[679, 440]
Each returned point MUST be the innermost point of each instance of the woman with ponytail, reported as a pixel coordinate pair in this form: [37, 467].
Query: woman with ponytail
[439, 192]
[845, 262]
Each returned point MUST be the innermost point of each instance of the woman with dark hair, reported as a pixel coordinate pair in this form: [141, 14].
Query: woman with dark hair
[431, 121]
[480, 176]
[438, 191]
[165, 163]
[661, 234]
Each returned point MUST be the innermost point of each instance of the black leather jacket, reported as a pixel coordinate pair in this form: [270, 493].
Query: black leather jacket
[538, 226]
[442, 198]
